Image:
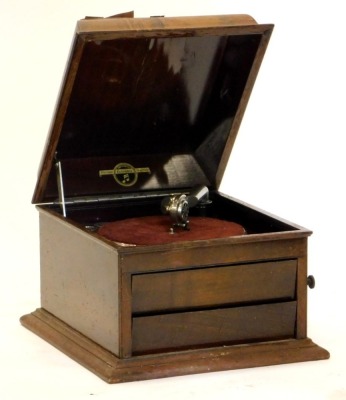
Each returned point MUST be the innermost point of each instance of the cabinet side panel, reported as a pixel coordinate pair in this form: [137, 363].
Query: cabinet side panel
[302, 298]
[79, 281]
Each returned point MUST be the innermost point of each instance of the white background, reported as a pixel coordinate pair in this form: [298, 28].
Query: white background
[288, 159]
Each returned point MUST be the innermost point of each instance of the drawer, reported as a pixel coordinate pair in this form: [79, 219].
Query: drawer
[214, 286]
[207, 328]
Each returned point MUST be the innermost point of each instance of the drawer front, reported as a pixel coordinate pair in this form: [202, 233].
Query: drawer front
[213, 286]
[188, 330]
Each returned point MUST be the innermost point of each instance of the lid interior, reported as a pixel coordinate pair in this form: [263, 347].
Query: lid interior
[152, 113]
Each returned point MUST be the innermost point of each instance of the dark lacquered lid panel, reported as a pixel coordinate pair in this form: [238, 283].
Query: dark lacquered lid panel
[152, 113]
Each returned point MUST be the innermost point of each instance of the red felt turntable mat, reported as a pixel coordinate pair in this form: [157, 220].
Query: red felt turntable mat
[151, 230]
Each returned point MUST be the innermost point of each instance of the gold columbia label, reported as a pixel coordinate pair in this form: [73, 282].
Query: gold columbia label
[125, 174]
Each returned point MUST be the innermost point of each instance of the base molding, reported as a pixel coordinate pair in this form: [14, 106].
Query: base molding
[115, 370]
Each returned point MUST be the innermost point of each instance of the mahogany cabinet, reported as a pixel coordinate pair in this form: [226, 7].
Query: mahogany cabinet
[150, 108]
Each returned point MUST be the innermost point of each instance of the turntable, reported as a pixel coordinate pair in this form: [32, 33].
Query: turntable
[147, 269]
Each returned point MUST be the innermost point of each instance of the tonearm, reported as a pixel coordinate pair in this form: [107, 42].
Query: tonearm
[178, 206]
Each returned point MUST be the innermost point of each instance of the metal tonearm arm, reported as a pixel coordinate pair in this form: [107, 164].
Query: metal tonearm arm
[177, 206]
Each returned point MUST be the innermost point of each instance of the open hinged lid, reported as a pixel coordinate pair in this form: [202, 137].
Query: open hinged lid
[150, 104]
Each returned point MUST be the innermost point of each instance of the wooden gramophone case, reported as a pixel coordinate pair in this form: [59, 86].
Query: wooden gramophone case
[151, 107]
